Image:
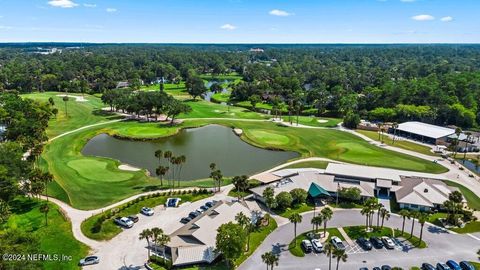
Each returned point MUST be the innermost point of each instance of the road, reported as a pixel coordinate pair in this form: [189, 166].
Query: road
[442, 245]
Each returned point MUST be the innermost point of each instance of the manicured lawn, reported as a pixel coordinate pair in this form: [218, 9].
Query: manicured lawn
[205, 109]
[309, 164]
[221, 97]
[248, 105]
[256, 238]
[296, 249]
[102, 226]
[235, 77]
[471, 227]
[314, 121]
[473, 200]
[56, 238]
[407, 145]
[356, 232]
[79, 113]
[300, 208]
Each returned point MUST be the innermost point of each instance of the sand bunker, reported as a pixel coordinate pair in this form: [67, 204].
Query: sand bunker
[77, 98]
[125, 167]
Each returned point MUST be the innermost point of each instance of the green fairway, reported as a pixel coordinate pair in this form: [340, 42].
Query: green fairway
[314, 121]
[79, 113]
[268, 137]
[309, 164]
[205, 109]
[407, 145]
[56, 238]
[221, 97]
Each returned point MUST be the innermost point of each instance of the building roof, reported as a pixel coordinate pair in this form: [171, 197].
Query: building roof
[195, 241]
[374, 173]
[315, 190]
[426, 130]
[423, 191]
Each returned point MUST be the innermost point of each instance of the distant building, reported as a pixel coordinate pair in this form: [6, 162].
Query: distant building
[256, 50]
[425, 133]
[194, 243]
[122, 85]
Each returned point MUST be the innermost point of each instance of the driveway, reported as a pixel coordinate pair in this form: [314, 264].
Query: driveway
[442, 245]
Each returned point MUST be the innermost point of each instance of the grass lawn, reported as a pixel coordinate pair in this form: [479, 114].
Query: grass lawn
[473, 200]
[471, 227]
[356, 232]
[314, 121]
[233, 76]
[79, 113]
[299, 208]
[220, 97]
[295, 247]
[248, 105]
[104, 229]
[308, 164]
[205, 109]
[407, 145]
[256, 238]
[56, 238]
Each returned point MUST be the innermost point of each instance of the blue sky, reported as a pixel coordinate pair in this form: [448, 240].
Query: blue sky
[241, 21]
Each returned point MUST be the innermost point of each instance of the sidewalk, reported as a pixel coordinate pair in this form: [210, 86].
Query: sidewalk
[347, 238]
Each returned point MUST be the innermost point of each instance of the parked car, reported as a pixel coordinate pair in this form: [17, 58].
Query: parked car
[427, 266]
[442, 266]
[376, 242]
[376, 268]
[133, 218]
[185, 220]
[204, 208]
[386, 267]
[172, 202]
[124, 222]
[317, 245]
[307, 246]
[363, 268]
[387, 242]
[337, 243]
[210, 204]
[89, 260]
[453, 265]
[147, 211]
[466, 265]
[364, 243]
[194, 214]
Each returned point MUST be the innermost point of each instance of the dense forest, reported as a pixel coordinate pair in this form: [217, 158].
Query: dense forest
[434, 83]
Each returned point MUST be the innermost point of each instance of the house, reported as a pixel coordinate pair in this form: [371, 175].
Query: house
[406, 186]
[194, 243]
[122, 85]
[256, 50]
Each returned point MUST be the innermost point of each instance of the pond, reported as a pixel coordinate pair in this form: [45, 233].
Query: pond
[208, 95]
[201, 146]
[470, 165]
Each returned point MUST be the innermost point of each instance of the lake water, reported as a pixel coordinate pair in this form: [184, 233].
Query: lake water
[201, 146]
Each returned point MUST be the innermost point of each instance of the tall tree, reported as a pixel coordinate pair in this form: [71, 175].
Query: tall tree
[147, 235]
[295, 218]
[45, 208]
[246, 224]
[230, 241]
[327, 214]
[270, 259]
[404, 213]
[340, 255]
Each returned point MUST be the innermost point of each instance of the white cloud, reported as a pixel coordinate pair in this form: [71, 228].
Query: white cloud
[279, 12]
[4, 27]
[111, 10]
[62, 3]
[447, 19]
[90, 5]
[228, 27]
[423, 17]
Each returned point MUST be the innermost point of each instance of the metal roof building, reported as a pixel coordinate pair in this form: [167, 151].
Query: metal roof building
[424, 132]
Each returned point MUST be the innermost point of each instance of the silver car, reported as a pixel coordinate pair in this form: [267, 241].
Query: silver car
[89, 260]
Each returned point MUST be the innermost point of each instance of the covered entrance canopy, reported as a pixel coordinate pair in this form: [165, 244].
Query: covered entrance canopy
[315, 191]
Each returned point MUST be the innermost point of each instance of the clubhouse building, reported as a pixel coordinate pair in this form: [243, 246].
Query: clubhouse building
[412, 190]
[426, 133]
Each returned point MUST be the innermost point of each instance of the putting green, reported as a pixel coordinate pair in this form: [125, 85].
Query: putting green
[92, 169]
[268, 137]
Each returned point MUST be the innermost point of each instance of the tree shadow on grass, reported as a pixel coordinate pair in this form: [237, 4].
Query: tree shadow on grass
[110, 115]
[23, 206]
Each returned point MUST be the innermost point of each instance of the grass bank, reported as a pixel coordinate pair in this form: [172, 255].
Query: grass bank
[473, 201]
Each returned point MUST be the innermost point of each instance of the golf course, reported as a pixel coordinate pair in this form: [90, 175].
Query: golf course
[88, 182]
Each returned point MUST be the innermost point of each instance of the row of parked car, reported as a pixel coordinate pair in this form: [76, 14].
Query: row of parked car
[376, 242]
[449, 265]
[128, 222]
[198, 212]
[315, 245]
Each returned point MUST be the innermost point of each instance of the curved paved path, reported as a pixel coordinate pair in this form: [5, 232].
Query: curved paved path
[442, 245]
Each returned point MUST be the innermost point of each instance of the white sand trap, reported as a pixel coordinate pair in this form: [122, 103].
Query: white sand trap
[77, 98]
[322, 121]
[217, 111]
[125, 167]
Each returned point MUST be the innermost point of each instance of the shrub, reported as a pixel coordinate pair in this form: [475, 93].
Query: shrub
[284, 200]
[299, 195]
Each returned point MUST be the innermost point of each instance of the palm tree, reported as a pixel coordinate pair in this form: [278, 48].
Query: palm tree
[469, 136]
[45, 209]
[168, 155]
[413, 215]
[404, 213]
[327, 214]
[270, 259]
[159, 155]
[161, 171]
[458, 131]
[181, 160]
[146, 234]
[161, 241]
[295, 218]
[422, 218]
[241, 184]
[329, 249]
[341, 255]
[378, 207]
[156, 232]
[317, 221]
[65, 100]
[366, 212]
[394, 126]
[245, 222]
[385, 214]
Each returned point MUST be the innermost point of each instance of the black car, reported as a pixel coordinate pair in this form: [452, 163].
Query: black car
[204, 208]
[363, 268]
[133, 218]
[376, 268]
[194, 214]
[185, 220]
[210, 204]
[442, 266]
[427, 266]
[376, 242]
[386, 267]
[364, 243]
[466, 265]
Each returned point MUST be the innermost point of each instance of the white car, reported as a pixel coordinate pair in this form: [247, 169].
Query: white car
[147, 211]
[124, 222]
[388, 242]
[89, 260]
[317, 245]
[337, 243]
